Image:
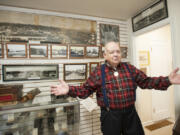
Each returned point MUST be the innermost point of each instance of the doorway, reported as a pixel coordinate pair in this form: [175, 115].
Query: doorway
[154, 57]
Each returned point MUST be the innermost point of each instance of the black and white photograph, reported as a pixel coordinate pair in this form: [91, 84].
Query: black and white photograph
[1, 51]
[29, 72]
[59, 51]
[124, 52]
[76, 52]
[108, 33]
[150, 15]
[92, 66]
[38, 51]
[16, 50]
[92, 51]
[75, 72]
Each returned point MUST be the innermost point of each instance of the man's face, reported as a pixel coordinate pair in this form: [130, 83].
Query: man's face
[112, 53]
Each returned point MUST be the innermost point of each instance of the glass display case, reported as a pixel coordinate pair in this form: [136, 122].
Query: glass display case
[53, 118]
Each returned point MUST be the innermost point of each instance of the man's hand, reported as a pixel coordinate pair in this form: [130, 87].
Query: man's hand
[174, 78]
[61, 89]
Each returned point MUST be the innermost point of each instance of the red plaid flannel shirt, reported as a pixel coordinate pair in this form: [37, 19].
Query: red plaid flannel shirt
[120, 90]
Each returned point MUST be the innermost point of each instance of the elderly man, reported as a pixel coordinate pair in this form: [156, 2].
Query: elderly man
[115, 85]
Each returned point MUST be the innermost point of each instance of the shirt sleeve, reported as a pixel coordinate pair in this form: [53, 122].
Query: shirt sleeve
[145, 82]
[90, 86]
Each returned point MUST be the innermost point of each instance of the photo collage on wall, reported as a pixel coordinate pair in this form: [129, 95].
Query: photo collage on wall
[54, 51]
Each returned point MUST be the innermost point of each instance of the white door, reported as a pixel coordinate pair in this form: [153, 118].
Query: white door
[161, 65]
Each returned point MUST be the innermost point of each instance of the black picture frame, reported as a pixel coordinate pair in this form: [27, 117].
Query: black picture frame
[154, 13]
[29, 72]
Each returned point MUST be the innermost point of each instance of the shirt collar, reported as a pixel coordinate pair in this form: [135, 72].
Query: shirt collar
[109, 65]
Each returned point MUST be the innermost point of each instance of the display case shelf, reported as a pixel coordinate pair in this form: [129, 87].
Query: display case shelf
[52, 118]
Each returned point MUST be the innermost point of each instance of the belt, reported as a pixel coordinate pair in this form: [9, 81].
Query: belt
[126, 109]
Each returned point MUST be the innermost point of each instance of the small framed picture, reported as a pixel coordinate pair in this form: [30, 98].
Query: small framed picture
[92, 51]
[16, 50]
[59, 51]
[77, 52]
[92, 66]
[144, 58]
[29, 72]
[1, 51]
[124, 52]
[102, 52]
[38, 51]
[75, 72]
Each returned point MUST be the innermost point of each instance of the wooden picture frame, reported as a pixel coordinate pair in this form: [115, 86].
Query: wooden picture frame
[92, 51]
[150, 15]
[1, 50]
[16, 50]
[38, 51]
[30, 72]
[124, 52]
[75, 72]
[108, 32]
[92, 66]
[59, 51]
[76, 52]
[102, 52]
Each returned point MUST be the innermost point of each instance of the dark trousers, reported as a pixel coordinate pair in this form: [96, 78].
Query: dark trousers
[121, 122]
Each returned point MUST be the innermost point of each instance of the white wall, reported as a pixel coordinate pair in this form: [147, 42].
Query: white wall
[174, 21]
[174, 13]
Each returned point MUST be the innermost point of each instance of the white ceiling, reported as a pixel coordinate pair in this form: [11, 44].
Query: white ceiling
[113, 9]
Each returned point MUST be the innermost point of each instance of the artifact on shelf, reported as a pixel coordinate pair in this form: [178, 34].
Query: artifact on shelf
[10, 94]
[30, 95]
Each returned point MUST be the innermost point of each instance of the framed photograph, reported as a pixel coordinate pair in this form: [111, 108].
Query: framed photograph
[76, 52]
[59, 51]
[29, 72]
[144, 58]
[92, 51]
[102, 51]
[92, 66]
[108, 33]
[75, 72]
[38, 51]
[124, 52]
[1, 50]
[152, 14]
[16, 50]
